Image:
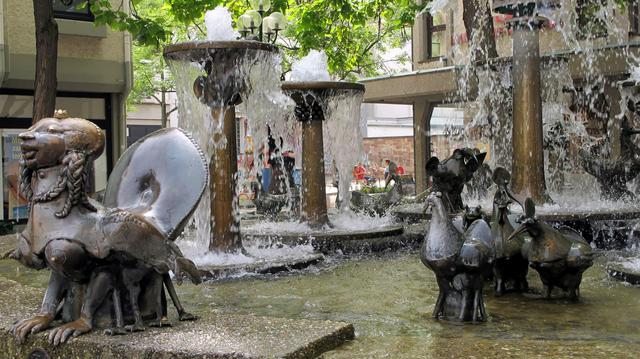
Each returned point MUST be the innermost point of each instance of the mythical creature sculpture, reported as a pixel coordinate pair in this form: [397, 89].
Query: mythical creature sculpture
[510, 266]
[101, 254]
[450, 175]
[459, 261]
[560, 255]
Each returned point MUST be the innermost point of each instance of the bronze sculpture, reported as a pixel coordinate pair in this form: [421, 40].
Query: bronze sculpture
[459, 262]
[559, 255]
[100, 254]
[510, 266]
[450, 175]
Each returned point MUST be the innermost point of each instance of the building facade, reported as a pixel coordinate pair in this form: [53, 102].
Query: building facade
[94, 77]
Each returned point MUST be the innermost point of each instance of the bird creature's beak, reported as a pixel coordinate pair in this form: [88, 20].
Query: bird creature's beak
[513, 197]
[517, 232]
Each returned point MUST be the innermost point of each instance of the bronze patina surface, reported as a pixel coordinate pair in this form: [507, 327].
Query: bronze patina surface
[560, 255]
[450, 175]
[459, 262]
[109, 262]
[510, 266]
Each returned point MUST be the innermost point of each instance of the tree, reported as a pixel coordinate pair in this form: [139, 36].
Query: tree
[46, 83]
[152, 80]
[478, 23]
[348, 31]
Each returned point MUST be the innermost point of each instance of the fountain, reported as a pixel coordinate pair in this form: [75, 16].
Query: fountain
[311, 100]
[328, 114]
[221, 89]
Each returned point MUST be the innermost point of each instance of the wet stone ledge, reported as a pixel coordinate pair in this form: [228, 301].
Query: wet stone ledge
[212, 336]
[218, 336]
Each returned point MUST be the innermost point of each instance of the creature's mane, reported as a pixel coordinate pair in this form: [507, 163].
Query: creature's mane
[73, 178]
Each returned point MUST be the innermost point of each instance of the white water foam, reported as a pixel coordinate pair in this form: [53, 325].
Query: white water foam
[312, 67]
[220, 25]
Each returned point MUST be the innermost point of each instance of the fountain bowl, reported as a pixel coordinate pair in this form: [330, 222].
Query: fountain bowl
[305, 92]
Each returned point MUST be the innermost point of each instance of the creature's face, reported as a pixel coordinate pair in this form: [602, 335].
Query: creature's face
[46, 142]
[43, 145]
[434, 202]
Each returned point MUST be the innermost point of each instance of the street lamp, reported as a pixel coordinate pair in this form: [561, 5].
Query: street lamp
[254, 19]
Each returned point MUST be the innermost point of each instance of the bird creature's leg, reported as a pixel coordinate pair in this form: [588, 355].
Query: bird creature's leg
[477, 316]
[117, 308]
[483, 312]
[499, 283]
[444, 287]
[132, 284]
[182, 314]
[463, 304]
[158, 291]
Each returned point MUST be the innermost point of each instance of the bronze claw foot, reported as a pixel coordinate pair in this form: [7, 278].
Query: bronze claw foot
[115, 331]
[159, 323]
[74, 329]
[185, 317]
[132, 328]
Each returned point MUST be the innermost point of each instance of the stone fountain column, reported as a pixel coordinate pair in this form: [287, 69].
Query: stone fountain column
[528, 178]
[223, 167]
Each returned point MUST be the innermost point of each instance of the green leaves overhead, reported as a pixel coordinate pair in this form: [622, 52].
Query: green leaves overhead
[353, 33]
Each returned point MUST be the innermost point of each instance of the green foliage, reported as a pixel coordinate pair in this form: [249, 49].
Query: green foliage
[351, 32]
[373, 189]
[152, 29]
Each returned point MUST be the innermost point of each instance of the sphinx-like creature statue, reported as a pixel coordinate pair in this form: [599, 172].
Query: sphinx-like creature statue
[102, 254]
[510, 266]
[450, 175]
[559, 255]
[459, 261]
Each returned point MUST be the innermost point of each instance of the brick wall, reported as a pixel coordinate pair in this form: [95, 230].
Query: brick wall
[397, 149]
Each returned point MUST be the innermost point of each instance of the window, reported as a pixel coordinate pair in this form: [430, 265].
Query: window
[435, 36]
[634, 17]
[590, 26]
[68, 9]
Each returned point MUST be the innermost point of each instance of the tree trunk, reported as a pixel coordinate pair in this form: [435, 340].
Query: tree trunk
[44, 94]
[476, 15]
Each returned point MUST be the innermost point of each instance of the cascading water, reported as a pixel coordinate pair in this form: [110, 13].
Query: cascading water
[484, 90]
[343, 139]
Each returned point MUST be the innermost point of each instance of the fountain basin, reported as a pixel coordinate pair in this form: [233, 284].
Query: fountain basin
[331, 240]
[389, 300]
[317, 89]
[197, 50]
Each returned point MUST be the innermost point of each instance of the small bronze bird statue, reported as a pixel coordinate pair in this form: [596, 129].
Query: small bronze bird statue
[510, 266]
[459, 262]
[559, 255]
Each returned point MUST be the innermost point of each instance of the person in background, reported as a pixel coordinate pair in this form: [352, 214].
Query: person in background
[359, 172]
[390, 172]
